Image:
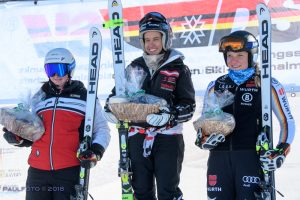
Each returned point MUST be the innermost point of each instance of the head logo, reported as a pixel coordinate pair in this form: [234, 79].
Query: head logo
[118, 53]
[93, 70]
[265, 51]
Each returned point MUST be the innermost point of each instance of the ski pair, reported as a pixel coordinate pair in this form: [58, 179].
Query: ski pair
[93, 76]
[115, 24]
[268, 191]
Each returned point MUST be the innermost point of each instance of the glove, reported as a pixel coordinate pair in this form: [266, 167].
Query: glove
[273, 158]
[208, 142]
[160, 119]
[12, 138]
[90, 157]
[110, 117]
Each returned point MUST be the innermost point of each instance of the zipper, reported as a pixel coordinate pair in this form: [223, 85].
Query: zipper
[52, 133]
[158, 69]
[154, 73]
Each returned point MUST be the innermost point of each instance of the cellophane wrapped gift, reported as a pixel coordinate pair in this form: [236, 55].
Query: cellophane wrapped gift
[213, 119]
[22, 121]
[136, 105]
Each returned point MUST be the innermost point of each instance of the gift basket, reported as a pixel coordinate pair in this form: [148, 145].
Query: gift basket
[22, 121]
[136, 105]
[213, 119]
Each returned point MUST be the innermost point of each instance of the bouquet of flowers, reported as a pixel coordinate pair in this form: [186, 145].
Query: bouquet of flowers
[213, 119]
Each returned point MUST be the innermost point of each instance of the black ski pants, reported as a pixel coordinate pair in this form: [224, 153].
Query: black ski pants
[51, 185]
[233, 175]
[163, 166]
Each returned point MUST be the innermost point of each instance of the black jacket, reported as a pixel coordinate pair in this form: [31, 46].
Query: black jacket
[171, 81]
[246, 110]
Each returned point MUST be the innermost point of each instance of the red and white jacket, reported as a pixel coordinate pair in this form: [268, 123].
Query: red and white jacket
[63, 118]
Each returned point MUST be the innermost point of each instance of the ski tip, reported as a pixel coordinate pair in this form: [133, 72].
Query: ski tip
[115, 3]
[261, 8]
[94, 32]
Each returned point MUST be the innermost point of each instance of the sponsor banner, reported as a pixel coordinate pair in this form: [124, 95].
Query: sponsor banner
[32, 30]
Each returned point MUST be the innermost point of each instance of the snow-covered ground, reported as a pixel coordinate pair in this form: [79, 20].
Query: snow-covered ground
[105, 183]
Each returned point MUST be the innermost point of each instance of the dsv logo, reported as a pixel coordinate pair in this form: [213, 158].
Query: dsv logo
[251, 179]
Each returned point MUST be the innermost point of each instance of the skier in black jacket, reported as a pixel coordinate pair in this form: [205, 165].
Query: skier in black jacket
[156, 148]
[234, 167]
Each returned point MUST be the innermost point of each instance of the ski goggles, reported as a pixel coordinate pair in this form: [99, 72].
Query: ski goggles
[61, 69]
[153, 17]
[235, 44]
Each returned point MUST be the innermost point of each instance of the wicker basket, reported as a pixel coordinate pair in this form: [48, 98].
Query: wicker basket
[29, 127]
[133, 112]
[215, 125]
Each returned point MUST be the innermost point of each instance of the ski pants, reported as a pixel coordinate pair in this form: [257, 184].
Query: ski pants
[233, 175]
[163, 166]
[51, 185]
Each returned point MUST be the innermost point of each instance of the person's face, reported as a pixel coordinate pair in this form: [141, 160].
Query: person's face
[153, 42]
[237, 60]
[59, 81]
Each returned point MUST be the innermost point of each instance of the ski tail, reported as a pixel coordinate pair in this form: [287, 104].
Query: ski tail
[124, 170]
[93, 77]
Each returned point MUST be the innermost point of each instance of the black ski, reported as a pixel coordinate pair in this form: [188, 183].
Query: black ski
[93, 76]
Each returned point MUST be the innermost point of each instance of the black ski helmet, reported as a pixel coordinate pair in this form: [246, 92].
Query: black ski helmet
[154, 21]
[249, 44]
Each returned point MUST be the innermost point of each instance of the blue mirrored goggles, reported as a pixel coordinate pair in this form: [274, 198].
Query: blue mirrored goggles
[61, 69]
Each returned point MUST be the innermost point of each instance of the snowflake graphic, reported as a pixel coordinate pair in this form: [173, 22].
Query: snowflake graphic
[171, 22]
[193, 30]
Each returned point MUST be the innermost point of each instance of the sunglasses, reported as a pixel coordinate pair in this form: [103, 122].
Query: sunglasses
[235, 44]
[61, 69]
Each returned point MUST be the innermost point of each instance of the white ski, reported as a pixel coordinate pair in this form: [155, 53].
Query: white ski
[115, 24]
[265, 36]
[93, 76]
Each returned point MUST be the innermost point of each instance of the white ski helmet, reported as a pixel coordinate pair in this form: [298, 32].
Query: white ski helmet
[154, 21]
[59, 56]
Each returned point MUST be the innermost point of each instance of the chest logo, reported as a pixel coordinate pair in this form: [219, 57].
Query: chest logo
[247, 97]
